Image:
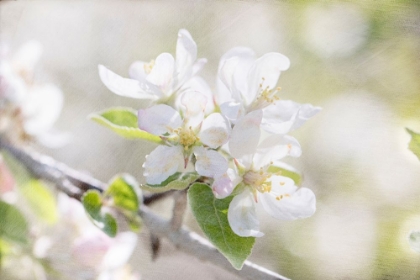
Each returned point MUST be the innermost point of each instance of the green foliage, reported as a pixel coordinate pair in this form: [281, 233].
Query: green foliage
[178, 181]
[123, 189]
[41, 200]
[13, 225]
[414, 145]
[211, 215]
[123, 121]
[92, 202]
[124, 192]
[294, 175]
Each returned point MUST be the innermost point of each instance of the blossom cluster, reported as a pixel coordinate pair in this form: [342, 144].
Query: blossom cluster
[231, 136]
[28, 108]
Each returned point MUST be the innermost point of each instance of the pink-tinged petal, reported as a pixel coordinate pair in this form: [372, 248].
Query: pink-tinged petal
[276, 147]
[186, 55]
[198, 84]
[162, 162]
[245, 135]
[265, 71]
[286, 201]
[120, 251]
[215, 130]
[137, 71]
[225, 184]
[232, 110]
[242, 216]
[162, 72]
[41, 108]
[159, 119]
[128, 87]
[89, 249]
[209, 163]
[7, 182]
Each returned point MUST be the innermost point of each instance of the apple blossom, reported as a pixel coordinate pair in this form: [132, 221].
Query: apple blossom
[162, 78]
[25, 104]
[191, 134]
[277, 194]
[245, 84]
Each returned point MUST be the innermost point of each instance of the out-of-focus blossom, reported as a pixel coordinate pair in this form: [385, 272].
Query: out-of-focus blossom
[28, 108]
[335, 30]
[161, 79]
[190, 134]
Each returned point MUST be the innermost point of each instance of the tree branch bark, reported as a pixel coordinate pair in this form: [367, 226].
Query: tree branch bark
[75, 183]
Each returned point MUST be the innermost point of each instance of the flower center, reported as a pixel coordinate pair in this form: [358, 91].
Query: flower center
[265, 97]
[258, 180]
[186, 137]
[149, 66]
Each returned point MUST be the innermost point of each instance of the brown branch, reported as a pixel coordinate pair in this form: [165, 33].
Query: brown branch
[75, 183]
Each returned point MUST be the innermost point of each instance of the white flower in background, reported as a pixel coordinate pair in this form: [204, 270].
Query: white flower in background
[161, 79]
[36, 106]
[277, 194]
[335, 30]
[245, 85]
[187, 135]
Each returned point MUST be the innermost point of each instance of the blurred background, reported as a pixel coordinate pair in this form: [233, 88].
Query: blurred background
[358, 60]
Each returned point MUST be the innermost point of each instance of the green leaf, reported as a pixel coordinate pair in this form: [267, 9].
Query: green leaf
[414, 145]
[124, 189]
[19, 171]
[123, 121]
[41, 200]
[178, 181]
[13, 225]
[211, 215]
[414, 240]
[287, 171]
[92, 202]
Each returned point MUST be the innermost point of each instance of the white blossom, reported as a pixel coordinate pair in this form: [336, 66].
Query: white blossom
[162, 78]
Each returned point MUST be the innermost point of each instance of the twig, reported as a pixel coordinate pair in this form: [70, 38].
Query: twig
[180, 205]
[74, 184]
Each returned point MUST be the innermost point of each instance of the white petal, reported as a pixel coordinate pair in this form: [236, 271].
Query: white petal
[162, 72]
[128, 87]
[280, 117]
[136, 71]
[209, 163]
[297, 204]
[306, 111]
[27, 56]
[232, 110]
[276, 147]
[242, 216]
[245, 57]
[198, 65]
[186, 54]
[225, 184]
[200, 85]
[162, 162]
[287, 115]
[215, 130]
[41, 108]
[193, 105]
[245, 135]
[159, 119]
[266, 71]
